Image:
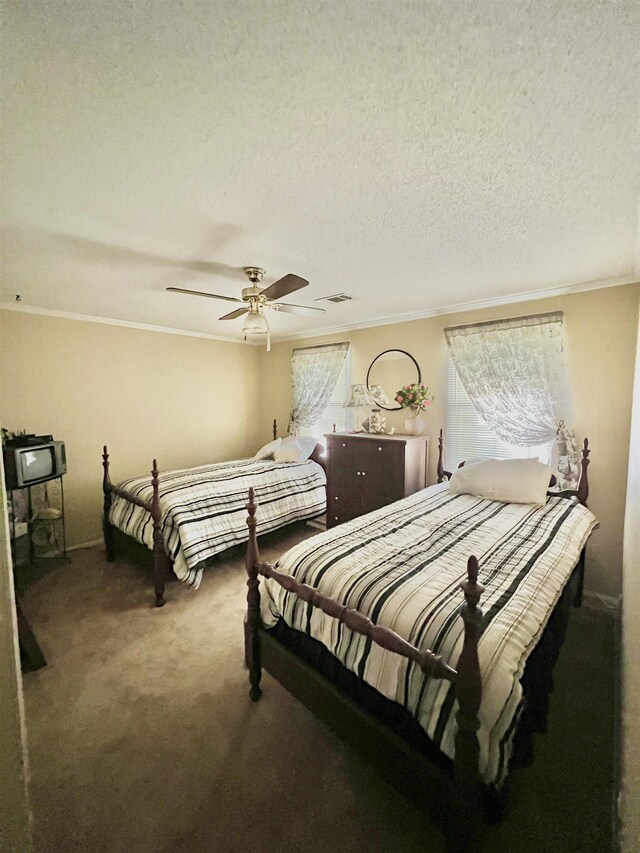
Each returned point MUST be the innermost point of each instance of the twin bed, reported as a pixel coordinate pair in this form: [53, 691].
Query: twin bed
[187, 517]
[362, 622]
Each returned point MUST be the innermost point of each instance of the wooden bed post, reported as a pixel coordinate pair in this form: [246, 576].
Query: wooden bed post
[275, 429]
[159, 558]
[469, 696]
[577, 598]
[583, 484]
[440, 469]
[582, 494]
[107, 528]
[253, 622]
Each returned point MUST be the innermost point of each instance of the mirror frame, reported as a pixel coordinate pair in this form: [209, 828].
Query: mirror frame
[397, 407]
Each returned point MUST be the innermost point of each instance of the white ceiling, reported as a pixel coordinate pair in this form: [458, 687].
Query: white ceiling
[416, 155]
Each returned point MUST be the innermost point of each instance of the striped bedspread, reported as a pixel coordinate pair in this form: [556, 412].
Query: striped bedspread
[203, 509]
[402, 565]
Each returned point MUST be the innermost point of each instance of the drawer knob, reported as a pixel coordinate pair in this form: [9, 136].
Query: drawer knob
[363, 473]
[379, 448]
[335, 517]
[343, 444]
[336, 498]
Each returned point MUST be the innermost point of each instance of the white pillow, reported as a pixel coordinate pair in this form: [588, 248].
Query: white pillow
[269, 449]
[475, 459]
[289, 451]
[295, 449]
[518, 481]
[308, 446]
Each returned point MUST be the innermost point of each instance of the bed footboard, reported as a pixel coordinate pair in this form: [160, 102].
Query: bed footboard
[462, 808]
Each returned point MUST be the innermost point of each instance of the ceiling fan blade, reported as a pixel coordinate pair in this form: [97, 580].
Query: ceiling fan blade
[237, 313]
[302, 310]
[202, 293]
[283, 286]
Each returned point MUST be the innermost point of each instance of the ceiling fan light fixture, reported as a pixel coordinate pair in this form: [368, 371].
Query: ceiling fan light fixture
[255, 323]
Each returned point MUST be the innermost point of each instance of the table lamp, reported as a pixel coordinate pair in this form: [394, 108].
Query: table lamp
[358, 397]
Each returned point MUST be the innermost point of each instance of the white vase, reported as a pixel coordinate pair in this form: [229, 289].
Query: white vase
[414, 425]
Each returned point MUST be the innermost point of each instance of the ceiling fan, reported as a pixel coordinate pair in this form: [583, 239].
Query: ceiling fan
[256, 300]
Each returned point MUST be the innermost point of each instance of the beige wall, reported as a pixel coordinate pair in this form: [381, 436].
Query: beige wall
[600, 333]
[183, 399]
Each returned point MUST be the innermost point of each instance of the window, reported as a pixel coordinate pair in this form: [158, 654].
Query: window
[335, 413]
[468, 436]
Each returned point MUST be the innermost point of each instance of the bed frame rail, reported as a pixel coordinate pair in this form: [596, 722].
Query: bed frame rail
[466, 677]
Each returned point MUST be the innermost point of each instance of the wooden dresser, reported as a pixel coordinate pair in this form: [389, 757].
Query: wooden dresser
[366, 472]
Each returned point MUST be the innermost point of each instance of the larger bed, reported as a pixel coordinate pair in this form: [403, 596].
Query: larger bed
[364, 620]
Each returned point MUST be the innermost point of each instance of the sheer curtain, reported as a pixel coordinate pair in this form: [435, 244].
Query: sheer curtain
[515, 375]
[314, 374]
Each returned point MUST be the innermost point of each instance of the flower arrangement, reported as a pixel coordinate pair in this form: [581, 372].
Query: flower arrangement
[416, 397]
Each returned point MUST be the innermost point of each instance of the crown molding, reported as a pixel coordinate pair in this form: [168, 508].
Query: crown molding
[386, 320]
[108, 321]
[460, 307]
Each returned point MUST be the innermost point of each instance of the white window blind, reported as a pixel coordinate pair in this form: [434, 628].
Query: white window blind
[468, 436]
[335, 413]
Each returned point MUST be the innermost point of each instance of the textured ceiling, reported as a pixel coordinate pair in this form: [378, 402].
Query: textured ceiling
[413, 154]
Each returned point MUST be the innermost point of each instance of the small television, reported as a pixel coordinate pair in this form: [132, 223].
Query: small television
[37, 461]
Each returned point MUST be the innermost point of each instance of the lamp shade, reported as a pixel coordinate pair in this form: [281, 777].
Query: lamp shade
[377, 392]
[359, 396]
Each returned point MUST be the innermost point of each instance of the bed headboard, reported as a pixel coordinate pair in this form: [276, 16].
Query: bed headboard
[582, 492]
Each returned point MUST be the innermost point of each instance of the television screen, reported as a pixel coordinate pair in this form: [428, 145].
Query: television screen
[36, 463]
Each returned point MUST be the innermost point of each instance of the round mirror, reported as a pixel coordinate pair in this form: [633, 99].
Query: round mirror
[387, 373]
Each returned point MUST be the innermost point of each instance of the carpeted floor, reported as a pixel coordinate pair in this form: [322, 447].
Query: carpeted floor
[143, 740]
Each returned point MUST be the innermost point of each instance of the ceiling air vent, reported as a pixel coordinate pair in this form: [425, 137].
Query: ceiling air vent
[337, 297]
